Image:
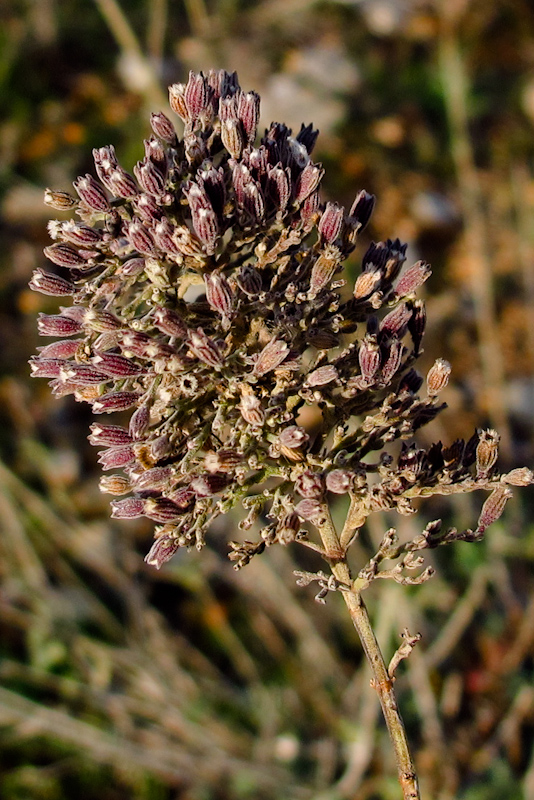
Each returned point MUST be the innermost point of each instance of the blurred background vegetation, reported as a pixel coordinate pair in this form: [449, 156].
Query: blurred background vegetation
[200, 683]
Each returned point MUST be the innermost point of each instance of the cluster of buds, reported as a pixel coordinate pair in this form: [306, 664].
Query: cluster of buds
[207, 303]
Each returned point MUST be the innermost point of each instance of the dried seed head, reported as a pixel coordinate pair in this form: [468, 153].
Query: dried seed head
[323, 270]
[61, 201]
[310, 484]
[288, 528]
[339, 481]
[177, 100]
[487, 453]
[322, 376]
[519, 477]
[251, 407]
[114, 484]
[367, 283]
[438, 377]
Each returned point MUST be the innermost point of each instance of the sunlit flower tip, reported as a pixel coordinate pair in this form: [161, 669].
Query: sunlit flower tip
[310, 484]
[413, 278]
[48, 283]
[366, 283]
[177, 100]
[115, 401]
[519, 477]
[129, 508]
[233, 137]
[57, 325]
[92, 193]
[109, 435]
[61, 201]
[322, 376]
[223, 460]
[116, 457]
[438, 377]
[493, 508]
[369, 357]
[362, 209]
[396, 322]
[251, 408]
[64, 256]
[204, 348]
[114, 484]
[339, 481]
[331, 222]
[161, 509]
[487, 452]
[288, 528]
[209, 484]
[309, 509]
[272, 355]
[162, 551]
[323, 271]
[308, 181]
[163, 127]
[218, 293]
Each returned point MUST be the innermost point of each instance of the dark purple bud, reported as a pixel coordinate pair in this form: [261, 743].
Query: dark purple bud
[57, 325]
[322, 376]
[253, 202]
[209, 484]
[310, 484]
[361, 210]
[177, 100]
[294, 436]
[46, 367]
[240, 178]
[64, 256]
[331, 222]
[117, 366]
[369, 358]
[438, 377]
[307, 136]
[169, 322]
[218, 293]
[115, 401]
[116, 457]
[211, 180]
[278, 187]
[92, 193]
[114, 484]
[339, 481]
[487, 453]
[323, 270]
[162, 551]
[161, 509]
[129, 508]
[413, 278]
[109, 435]
[272, 355]
[248, 111]
[150, 179]
[163, 127]
[396, 322]
[146, 208]
[65, 348]
[249, 281]
[140, 422]
[322, 339]
[204, 348]
[140, 238]
[61, 201]
[417, 324]
[82, 374]
[309, 509]
[154, 478]
[493, 508]
[48, 283]
[308, 181]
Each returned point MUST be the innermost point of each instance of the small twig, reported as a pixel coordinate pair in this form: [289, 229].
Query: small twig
[403, 651]
[327, 583]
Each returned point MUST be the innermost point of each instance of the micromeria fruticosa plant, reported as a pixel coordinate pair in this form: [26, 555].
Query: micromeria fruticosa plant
[208, 303]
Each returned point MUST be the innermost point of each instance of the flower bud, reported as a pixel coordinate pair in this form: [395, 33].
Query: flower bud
[116, 457]
[369, 358]
[46, 367]
[248, 111]
[310, 484]
[208, 484]
[249, 281]
[162, 550]
[367, 283]
[139, 422]
[141, 239]
[308, 181]
[322, 376]
[223, 461]
[61, 201]
[413, 278]
[204, 348]
[109, 435]
[64, 256]
[115, 401]
[438, 377]
[272, 355]
[519, 477]
[396, 322]
[92, 193]
[177, 100]
[218, 293]
[65, 348]
[117, 366]
[361, 210]
[288, 528]
[129, 508]
[331, 222]
[114, 484]
[251, 408]
[163, 127]
[154, 478]
[161, 509]
[57, 325]
[309, 509]
[493, 508]
[487, 453]
[323, 270]
[339, 481]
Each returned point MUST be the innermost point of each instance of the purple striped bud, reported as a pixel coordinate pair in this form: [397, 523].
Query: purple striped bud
[493, 508]
[65, 348]
[251, 407]
[322, 376]
[146, 208]
[393, 361]
[240, 178]
[155, 153]
[61, 201]
[82, 235]
[308, 181]
[177, 100]
[323, 270]
[170, 323]
[413, 278]
[109, 435]
[65, 256]
[137, 343]
[272, 355]
[140, 238]
[154, 478]
[197, 95]
[487, 453]
[117, 366]
[253, 202]
[140, 422]
[150, 179]
[114, 484]
[248, 111]
[105, 161]
[92, 193]
[163, 127]
[218, 293]
[164, 236]
[438, 377]
[339, 481]
[310, 484]
[122, 184]
[204, 348]
[162, 550]
[82, 374]
[46, 367]
[278, 187]
[369, 358]
[57, 325]
[331, 222]
[116, 457]
[309, 210]
[396, 322]
[48, 283]
[206, 227]
[129, 508]
[161, 509]
[115, 401]
[183, 497]
[160, 447]
[209, 484]
[309, 509]
[132, 268]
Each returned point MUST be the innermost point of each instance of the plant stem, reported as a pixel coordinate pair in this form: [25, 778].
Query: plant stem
[382, 681]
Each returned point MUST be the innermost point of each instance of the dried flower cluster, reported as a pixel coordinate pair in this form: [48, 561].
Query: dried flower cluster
[207, 302]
